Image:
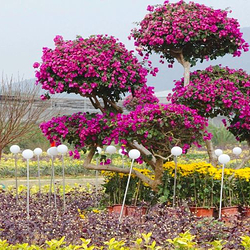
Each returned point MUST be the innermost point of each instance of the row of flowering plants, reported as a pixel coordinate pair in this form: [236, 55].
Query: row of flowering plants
[198, 184]
[49, 227]
[184, 241]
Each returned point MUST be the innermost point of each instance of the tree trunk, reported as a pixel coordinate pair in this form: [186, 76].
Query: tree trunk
[186, 66]
[177, 54]
[158, 174]
[1, 150]
[210, 150]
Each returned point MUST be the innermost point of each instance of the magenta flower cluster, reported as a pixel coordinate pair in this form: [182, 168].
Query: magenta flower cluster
[195, 30]
[158, 127]
[140, 97]
[218, 91]
[80, 129]
[89, 66]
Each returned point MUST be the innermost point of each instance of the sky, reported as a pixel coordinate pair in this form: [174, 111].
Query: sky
[26, 26]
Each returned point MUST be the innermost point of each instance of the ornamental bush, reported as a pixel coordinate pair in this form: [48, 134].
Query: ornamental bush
[218, 91]
[192, 29]
[96, 66]
[80, 129]
[101, 69]
[159, 127]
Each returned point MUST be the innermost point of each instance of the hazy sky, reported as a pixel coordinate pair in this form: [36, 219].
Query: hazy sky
[28, 25]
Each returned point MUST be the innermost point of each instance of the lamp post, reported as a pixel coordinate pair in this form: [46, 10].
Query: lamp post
[28, 154]
[223, 159]
[176, 151]
[52, 152]
[98, 152]
[15, 149]
[133, 154]
[63, 149]
[38, 152]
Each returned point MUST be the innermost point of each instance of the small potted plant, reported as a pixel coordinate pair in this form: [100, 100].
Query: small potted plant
[201, 192]
[230, 199]
[242, 185]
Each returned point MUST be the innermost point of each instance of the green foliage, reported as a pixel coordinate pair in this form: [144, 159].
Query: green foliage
[246, 242]
[115, 185]
[217, 244]
[221, 136]
[113, 244]
[183, 242]
[55, 244]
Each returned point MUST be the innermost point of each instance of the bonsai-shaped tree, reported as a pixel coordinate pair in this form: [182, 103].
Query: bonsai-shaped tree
[188, 32]
[101, 69]
[218, 91]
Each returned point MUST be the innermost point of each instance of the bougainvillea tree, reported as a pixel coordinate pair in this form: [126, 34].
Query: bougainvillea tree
[188, 32]
[218, 91]
[101, 68]
[153, 129]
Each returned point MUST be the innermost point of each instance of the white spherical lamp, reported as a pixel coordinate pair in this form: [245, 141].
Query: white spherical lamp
[38, 151]
[218, 152]
[237, 150]
[14, 149]
[53, 151]
[111, 149]
[27, 154]
[62, 149]
[98, 150]
[134, 154]
[48, 152]
[176, 151]
[224, 158]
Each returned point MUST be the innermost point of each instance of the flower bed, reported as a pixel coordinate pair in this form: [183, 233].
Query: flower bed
[198, 184]
[83, 220]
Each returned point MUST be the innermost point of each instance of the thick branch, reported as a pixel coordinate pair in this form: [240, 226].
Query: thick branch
[178, 55]
[148, 156]
[113, 104]
[111, 168]
[88, 165]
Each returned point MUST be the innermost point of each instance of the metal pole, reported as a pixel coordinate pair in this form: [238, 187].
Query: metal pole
[39, 177]
[96, 176]
[175, 176]
[124, 199]
[28, 190]
[53, 177]
[50, 186]
[221, 189]
[64, 200]
[16, 178]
